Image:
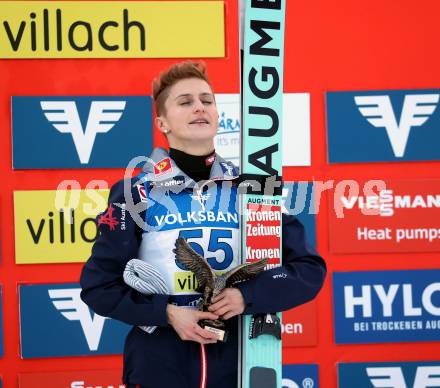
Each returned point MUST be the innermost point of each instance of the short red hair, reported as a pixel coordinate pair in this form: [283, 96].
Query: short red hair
[177, 72]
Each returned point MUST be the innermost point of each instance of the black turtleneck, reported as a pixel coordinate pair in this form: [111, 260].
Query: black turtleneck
[196, 167]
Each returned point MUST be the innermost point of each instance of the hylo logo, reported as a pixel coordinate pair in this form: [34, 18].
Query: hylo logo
[387, 297]
[103, 115]
[379, 112]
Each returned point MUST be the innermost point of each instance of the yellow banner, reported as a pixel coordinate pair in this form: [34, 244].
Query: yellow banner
[56, 226]
[111, 29]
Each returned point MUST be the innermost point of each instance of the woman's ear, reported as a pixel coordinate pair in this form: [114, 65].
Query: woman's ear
[162, 125]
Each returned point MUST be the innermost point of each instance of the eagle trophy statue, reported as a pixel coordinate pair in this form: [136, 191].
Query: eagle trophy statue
[211, 284]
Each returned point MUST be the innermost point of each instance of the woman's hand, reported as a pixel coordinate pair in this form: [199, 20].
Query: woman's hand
[185, 322]
[228, 303]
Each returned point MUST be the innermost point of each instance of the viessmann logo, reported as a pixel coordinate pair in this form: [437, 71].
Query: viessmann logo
[386, 202]
[67, 132]
[383, 125]
[54, 321]
[111, 29]
[389, 374]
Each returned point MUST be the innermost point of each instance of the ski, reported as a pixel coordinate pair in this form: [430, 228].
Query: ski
[262, 55]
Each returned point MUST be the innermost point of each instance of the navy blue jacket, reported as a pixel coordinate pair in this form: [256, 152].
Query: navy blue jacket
[103, 289]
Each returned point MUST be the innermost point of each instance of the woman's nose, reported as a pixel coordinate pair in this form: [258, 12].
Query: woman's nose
[199, 106]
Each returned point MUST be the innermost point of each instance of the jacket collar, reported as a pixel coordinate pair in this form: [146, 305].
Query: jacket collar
[161, 167]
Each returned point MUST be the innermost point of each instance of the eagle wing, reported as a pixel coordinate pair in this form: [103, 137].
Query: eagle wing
[244, 271]
[194, 263]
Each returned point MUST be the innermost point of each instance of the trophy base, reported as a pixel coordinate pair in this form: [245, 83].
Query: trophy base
[216, 327]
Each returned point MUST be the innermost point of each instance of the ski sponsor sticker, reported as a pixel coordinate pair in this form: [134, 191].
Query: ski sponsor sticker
[263, 230]
[421, 374]
[391, 216]
[55, 322]
[79, 131]
[386, 306]
[299, 326]
[58, 226]
[300, 375]
[383, 125]
[72, 379]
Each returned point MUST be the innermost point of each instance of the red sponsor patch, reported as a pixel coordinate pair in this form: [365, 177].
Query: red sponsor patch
[108, 219]
[300, 326]
[400, 216]
[163, 167]
[72, 379]
[263, 233]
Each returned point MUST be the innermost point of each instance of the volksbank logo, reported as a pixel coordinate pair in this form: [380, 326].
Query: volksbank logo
[55, 322]
[426, 376]
[70, 305]
[383, 126]
[417, 108]
[103, 115]
[68, 132]
[388, 306]
[391, 375]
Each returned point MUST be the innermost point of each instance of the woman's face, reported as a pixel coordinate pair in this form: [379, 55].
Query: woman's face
[190, 118]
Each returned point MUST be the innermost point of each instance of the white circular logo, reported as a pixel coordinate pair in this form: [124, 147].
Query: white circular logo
[287, 383]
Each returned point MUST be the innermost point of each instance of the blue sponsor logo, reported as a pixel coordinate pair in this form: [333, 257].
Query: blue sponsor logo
[389, 374]
[300, 203]
[375, 126]
[386, 306]
[1, 326]
[300, 376]
[54, 321]
[80, 132]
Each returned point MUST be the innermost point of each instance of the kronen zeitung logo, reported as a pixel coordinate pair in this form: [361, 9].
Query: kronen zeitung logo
[386, 202]
[62, 29]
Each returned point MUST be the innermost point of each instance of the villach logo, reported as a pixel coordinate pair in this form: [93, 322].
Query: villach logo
[389, 374]
[75, 132]
[108, 29]
[383, 126]
[54, 321]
